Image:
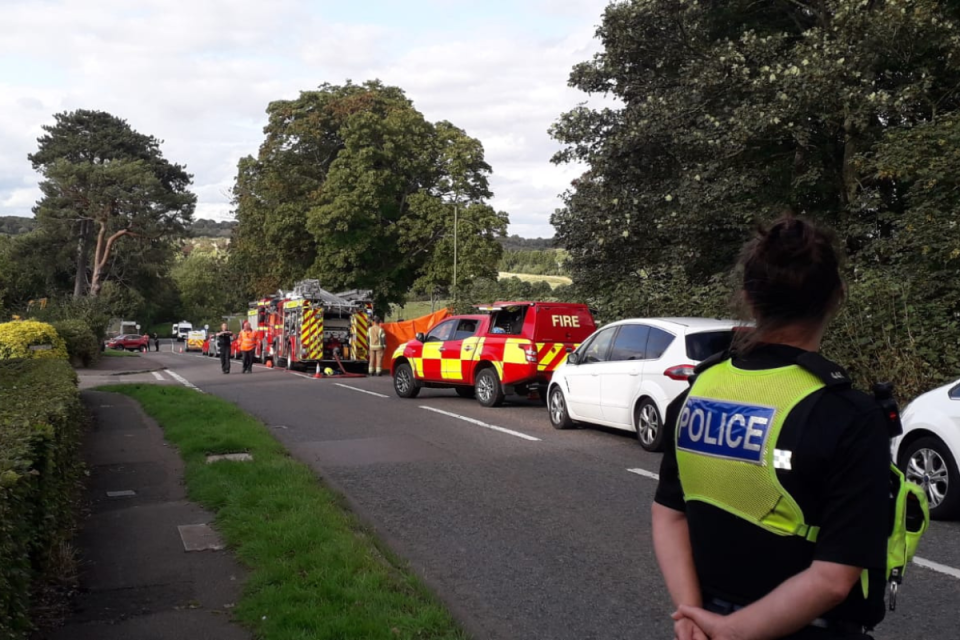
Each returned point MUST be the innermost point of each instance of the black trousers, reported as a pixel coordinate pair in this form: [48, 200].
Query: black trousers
[225, 360]
[248, 360]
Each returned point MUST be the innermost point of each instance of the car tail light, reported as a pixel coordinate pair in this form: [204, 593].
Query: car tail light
[531, 353]
[680, 372]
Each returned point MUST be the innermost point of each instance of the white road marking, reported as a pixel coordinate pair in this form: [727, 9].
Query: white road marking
[179, 378]
[156, 374]
[936, 566]
[922, 562]
[372, 393]
[302, 375]
[645, 473]
[482, 424]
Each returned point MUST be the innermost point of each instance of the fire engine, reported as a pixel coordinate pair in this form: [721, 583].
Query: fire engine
[310, 326]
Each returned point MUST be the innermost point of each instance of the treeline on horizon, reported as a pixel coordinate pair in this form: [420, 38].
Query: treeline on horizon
[521, 255]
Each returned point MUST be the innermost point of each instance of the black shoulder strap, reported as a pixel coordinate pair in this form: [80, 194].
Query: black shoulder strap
[830, 373]
[715, 359]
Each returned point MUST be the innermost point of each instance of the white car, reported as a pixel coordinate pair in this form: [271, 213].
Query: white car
[626, 374]
[929, 448]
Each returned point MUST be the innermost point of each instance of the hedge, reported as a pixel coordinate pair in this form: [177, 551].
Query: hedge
[82, 345]
[21, 338]
[41, 419]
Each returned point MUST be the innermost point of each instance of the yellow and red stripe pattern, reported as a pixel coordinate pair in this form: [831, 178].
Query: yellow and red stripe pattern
[551, 355]
[511, 357]
[361, 335]
[311, 333]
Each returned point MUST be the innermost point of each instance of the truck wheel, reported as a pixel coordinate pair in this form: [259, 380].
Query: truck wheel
[489, 389]
[557, 407]
[465, 392]
[404, 382]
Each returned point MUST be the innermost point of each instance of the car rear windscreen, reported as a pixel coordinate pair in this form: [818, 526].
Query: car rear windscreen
[701, 346]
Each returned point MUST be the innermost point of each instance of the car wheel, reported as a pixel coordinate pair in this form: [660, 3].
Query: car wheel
[404, 383]
[465, 392]
[649, 424]
[929, 463]
[489, 390]
[557, 407]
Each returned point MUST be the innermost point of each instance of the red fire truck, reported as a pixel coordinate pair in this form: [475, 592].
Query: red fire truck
[309, 327]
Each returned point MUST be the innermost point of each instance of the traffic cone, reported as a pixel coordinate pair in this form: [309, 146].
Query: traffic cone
[317, 374]
[181, 349]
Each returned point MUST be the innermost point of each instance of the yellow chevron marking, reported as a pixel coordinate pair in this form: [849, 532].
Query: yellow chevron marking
[550, 356]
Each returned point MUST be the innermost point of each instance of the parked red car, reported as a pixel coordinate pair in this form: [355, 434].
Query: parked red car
[129, 342]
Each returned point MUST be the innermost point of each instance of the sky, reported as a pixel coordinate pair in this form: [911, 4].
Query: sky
[198, 74]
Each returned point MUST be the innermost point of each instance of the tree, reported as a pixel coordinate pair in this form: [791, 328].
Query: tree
[103, 181]
[209, 286]
[732, 112]
[354, 187]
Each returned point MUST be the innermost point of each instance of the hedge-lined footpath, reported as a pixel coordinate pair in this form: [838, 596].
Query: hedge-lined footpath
[316, 572]
[41, 419]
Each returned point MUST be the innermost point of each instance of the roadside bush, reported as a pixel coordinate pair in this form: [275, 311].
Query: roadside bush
[94, 312]
[17, 338]
[82, 345]
[41, 418]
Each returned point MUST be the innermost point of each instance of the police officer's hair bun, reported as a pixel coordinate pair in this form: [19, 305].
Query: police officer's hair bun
[791, 273]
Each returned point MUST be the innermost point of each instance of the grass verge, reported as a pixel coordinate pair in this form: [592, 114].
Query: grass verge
[316, 571]
[116, 353]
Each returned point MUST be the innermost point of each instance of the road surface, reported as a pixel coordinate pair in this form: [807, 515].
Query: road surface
[524, 531]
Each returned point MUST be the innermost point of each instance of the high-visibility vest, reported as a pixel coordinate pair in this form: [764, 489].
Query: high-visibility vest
[248, 340]
[727, 443]
[727, 455]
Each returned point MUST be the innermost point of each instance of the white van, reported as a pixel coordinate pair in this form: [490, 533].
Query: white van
[181, 329]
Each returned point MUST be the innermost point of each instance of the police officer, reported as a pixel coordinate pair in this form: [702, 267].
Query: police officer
[772, 512]
[224, 338]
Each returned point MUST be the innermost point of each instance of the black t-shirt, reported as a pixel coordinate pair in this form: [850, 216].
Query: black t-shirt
[840, 480]
[223, 340]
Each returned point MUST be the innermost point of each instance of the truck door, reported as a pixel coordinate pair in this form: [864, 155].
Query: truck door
[433, 350]
[456, 357]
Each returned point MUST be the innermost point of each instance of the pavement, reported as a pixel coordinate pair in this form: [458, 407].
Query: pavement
[522, 530]
[136, 578]
[135, 368]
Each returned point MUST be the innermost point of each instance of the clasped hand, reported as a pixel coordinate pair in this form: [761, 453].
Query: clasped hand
[694, 623]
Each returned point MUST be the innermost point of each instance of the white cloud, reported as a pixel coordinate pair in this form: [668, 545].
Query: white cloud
[199, 75]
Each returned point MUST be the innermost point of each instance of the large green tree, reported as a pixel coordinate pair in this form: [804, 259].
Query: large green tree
[353, 186]
[731, 112]
[209, 285]
[103, 184]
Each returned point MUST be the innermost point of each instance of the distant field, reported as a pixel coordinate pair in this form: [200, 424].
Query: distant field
[553, 281]
[413, 310]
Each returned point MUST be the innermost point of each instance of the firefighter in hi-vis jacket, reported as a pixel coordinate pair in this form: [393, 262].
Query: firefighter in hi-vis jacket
[378, 344]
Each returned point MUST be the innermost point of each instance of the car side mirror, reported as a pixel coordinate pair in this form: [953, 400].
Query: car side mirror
[420, 337]
[574, 358]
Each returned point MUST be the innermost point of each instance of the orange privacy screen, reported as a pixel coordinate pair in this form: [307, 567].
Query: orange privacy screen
[400, 332]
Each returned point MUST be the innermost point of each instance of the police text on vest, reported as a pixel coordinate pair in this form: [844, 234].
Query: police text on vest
[724, 429]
